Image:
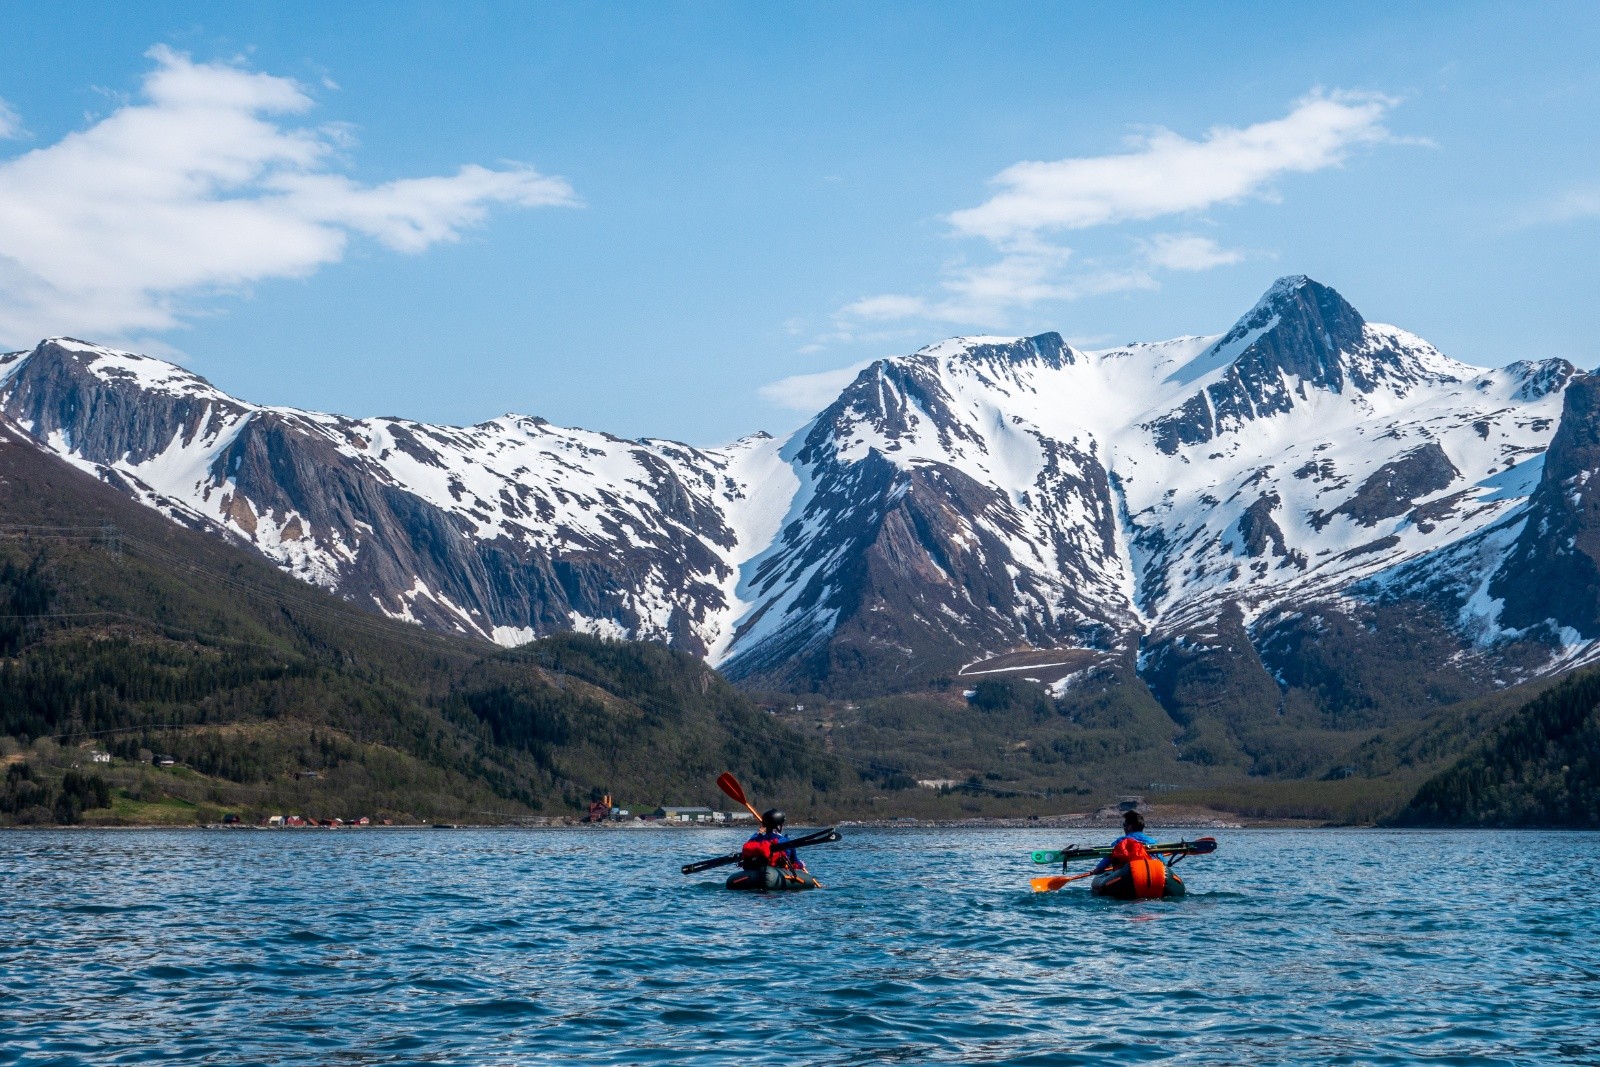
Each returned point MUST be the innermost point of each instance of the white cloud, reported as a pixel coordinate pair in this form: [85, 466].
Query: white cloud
[1169, 174]
[1166, 174]
[1187, 251]
[202, 186]
[1574, 204]
[887, 306]
[810, 393]
[10, 124]
[986, 293]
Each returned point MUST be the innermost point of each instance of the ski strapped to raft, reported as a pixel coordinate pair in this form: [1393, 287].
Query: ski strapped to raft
[818, 837]
[1199, 847]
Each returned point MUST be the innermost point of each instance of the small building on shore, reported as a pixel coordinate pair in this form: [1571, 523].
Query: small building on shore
[669, 813]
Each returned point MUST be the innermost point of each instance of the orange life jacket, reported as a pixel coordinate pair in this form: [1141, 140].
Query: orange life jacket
[1148, 874]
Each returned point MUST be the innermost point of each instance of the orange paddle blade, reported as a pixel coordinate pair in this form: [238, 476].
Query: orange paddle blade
[1050, 883]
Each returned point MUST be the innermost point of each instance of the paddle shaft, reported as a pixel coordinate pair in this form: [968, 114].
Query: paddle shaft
[820, 837]
[1199, 847]
[730, 785]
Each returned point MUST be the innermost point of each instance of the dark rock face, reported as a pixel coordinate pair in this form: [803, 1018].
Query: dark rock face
[891, 576]
[1425, 517]
[1542, 377]
[53, 393]
[1393, 488]
[1552, 572]
[312, 480]
[1259, 530]
[1301, 336]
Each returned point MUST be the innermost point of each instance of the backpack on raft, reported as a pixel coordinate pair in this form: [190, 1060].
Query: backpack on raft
[758, 854]
[766, 866]
[1147, 875]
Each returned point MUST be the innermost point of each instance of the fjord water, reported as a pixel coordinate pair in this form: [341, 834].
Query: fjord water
[513, 947]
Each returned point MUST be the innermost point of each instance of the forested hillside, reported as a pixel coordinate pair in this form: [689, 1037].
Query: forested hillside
[1539, 768]
[125, 634]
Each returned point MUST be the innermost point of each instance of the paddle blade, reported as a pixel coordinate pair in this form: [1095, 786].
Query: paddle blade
[730, 785]
[1050, 883]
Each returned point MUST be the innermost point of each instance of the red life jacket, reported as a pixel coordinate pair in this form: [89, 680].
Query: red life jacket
[1127, 849]
[1148, 874]
[769, 853]
[755, 855]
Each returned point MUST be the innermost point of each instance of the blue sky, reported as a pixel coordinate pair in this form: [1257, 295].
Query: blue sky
[666, 220]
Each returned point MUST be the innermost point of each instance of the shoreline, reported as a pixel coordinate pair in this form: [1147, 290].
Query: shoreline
[1052, 823]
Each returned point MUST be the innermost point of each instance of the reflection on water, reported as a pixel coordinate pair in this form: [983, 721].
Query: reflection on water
[502, 947]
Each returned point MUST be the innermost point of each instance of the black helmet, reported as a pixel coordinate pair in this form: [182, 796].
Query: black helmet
[772, 819]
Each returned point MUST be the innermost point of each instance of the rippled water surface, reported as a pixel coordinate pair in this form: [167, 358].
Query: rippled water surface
[509, 947]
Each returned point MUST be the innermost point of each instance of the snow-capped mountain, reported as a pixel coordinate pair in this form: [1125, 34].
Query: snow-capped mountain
[504, 530]
[991, 494]
[981, 497]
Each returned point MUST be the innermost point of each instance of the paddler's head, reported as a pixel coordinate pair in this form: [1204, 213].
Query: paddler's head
[772, 819]
[1132, 822]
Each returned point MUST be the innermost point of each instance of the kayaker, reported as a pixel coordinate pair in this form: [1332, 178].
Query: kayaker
[768, 841]
[1132, 830]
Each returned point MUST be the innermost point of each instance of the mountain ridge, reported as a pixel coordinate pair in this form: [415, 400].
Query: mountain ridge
[122, 631]
[979, 497]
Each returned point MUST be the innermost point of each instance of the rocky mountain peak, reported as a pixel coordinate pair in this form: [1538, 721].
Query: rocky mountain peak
[1300, 336]
[1300, 327]
[121, 404]
[1045, 349]
[894, 399]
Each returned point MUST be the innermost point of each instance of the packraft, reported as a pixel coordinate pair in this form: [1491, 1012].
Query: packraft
[1138, 874]
[772, 879]
[759, 854]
